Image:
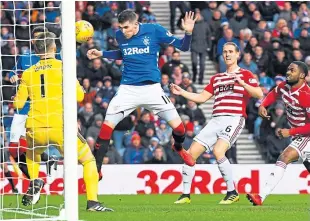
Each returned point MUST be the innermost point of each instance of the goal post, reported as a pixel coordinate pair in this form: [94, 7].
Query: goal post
[70, 110]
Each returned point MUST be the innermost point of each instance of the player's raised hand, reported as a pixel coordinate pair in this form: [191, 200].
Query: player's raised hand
[188, 22]
[14, 78]
[175, 89]
[93, 53]
[263, 112]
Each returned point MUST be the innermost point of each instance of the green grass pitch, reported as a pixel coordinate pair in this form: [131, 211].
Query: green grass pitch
[203, 207]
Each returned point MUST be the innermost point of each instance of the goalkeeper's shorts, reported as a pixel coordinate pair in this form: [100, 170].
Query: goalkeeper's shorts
[41, 138]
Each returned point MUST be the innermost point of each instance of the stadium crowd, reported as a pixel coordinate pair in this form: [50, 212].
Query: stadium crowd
[269, 34]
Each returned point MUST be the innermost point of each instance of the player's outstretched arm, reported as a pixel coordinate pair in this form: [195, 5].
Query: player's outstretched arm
[79, 92]
[197, 98]
[114, 54]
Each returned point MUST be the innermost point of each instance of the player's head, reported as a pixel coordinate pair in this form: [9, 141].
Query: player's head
[128, 23]
[36, 31]
[45, 44]
[231, 53]
[296, 72]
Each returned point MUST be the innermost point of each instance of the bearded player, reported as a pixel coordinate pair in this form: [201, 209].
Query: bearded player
[295, 93]
[140, 86]
[231, 90]
[42, 84]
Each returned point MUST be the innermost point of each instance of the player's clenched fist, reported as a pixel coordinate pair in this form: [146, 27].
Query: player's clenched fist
[263, 112]
[175, 89]
[93, 53]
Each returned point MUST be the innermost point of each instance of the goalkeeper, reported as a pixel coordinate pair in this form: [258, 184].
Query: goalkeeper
[42, 83]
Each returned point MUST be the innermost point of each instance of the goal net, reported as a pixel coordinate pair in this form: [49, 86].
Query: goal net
[18, 20]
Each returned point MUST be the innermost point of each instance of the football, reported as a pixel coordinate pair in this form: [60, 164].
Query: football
[83, 31]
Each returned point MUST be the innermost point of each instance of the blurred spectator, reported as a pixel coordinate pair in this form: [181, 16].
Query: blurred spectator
[51, 12]
[266, 81]
[93, 131]
[135, 152]
[272, 143]
[207, 13]
[166, 57]
[115, 70]
[250, 47]
[215, 30]
[92, 17]
[173, 6]
[163, 132]
[22, 35]
[111, 37]
[260, 30]
[89, 92]
[146, 138]
[86, 114]
[97, 72]
[201, 43]
[285, 37]
[268, 9]
[224, 7]
[254, 20]
[121, 132]
[177, 75]
[304, 40]
[238, 22]
[186, 82]
[113, 156]
[248, 64]
[165, 82]
[305, 24]
[107, 91]
[245, 35]
[109, 15]
[82, 51]
[147, 15]
[297, 55]
[278, 65]
[293, 23]
[168, 68]
[233, 11]
[261, 59]
[266, 41]
[286, 12]
[280, 25]
[194, 112]
[144, 123]
[303, 11]
[158, 156]
[148, 154]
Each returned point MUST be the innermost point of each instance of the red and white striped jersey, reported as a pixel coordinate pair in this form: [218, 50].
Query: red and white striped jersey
[230, 97]
[297, 103]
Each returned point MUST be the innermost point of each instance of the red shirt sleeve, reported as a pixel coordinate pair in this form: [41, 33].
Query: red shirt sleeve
[303, 130]
[272, 95]
[210, 87]
[250, 79]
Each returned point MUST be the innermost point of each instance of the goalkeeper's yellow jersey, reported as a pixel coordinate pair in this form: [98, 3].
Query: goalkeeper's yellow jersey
[42, 84]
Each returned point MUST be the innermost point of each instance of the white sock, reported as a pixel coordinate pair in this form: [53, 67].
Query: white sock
[273, 179]
[187, 175]
[226, 171]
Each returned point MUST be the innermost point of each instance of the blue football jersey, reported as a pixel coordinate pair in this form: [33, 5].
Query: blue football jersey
[140, 53]
[24, 62]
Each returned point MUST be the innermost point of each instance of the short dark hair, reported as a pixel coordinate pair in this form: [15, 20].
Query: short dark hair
[302, 66]
[38, 29]
[233, 44]
[127, 15]
[44, 41]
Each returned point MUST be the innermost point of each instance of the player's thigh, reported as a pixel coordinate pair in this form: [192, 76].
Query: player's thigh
[84, 151]
[18, 127]
[155, 100]
[302, 147]
[207, 137]
[231, 128]
[124, 101]
[39, 139]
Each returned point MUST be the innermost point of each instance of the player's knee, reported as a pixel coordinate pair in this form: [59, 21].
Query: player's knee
[288, 156]
[105, 132]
